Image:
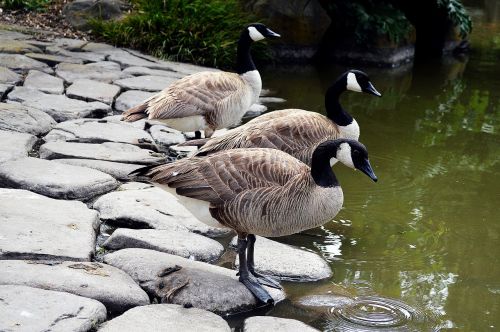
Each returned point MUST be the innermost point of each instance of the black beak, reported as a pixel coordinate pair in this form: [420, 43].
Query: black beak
[367, 169]
[371, 90]
[271, 33]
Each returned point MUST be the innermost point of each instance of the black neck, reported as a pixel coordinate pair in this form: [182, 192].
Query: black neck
[334, 110]
[321, 171]
[244, 62]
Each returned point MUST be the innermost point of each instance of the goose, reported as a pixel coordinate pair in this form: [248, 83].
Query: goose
[208, 100]
[262, 192]
[295, 131]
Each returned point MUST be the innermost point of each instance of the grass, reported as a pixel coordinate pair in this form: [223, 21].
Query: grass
[36, 5]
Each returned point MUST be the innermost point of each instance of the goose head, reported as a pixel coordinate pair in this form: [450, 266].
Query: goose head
[358, 81]
[258, 31]
[353, 154]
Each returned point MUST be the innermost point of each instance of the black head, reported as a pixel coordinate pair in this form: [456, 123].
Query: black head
[353, 154]
[258, 31]
[358, 81]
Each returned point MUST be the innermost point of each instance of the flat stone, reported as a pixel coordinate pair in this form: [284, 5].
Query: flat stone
[324, 301]
[140, 71]
[202, 285]
[131, 98]
[179, 243]
[90, 90]
[14, 145]
[166, 318]
[16, 117]
[7, 76]
[153, 208]
[126, 59]
[99, 48]
[13, 35]
[106, 284]
[110, 151]
[275, 324]
[184, 68]
[60, 107]
[17, 47]
[165, 136]
[44, 82]
[21, 63]
[51, 59]
[119, 171]
[84, 56]
[55, 179]
[146, 83]
[287, 262]
[4, 90]
[31, 309]
[37, 227]
[70, 44]
[104, 71]
[140, 124]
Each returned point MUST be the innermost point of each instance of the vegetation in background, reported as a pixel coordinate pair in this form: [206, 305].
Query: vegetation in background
[197, 31]
[458, 15]
[37, 5]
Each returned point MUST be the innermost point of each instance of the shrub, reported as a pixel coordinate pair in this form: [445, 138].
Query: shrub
[38, 5]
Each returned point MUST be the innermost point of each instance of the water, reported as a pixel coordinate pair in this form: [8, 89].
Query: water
[420, 249]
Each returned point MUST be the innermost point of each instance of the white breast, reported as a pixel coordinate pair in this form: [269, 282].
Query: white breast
[350, 131]
[255, 82]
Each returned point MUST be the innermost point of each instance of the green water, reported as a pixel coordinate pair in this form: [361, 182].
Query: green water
[428, 233]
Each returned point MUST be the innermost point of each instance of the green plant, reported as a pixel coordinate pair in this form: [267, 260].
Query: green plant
[38, 5]
[458, 15]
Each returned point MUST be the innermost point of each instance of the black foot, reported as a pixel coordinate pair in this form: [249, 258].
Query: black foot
[257, 290]
[266, 280]
[197, 134]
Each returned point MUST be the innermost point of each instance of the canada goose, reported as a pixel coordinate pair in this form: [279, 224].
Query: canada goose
[260, 192]
[208, 100]
[295, 131]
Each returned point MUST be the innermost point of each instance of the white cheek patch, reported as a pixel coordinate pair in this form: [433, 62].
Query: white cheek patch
[344, 155]
[352, 83]
[255, 34]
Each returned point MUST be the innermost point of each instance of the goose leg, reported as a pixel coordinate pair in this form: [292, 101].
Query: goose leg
[263, 279]
[197, 134]
[248, 279]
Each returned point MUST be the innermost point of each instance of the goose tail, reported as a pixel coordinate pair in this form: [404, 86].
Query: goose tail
[135, 113]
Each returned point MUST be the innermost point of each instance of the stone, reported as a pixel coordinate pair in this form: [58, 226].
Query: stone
[31, 309]
[139, 124]
[44, 82]
[152, 208]
[146, 83]
[184, 68]
[287, 262]
[84, 56]
[271, 100]
[37, 227]
[4, 90]
[166, 318]
[14, 145]
[183, 151]
[104, 71]
[104, 283]
[103, 48]
[131, 98]
[21, 63]
[70, 44]
[179, 243]
[275, 324]
[140, 71]
[90, 90]
[119, 171]
[7, 76]
[125, 59]
[165, 136]
[53, 60]
[16, 117]
[17, 47]
[12, 35]
[80, 12]
[324, 301]
[55, 179]
[60, 107]
[178, 280]
[110, 151]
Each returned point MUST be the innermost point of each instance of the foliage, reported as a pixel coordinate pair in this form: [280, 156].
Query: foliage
[38, 5]
[198, 31]
[458, 15]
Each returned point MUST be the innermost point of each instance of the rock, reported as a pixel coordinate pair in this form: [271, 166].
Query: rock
[166, 318]
[89, 90]
[60, 107]
[255, 110]
[165, 136]
[70, 44]
[271, 100]
[275, 324]
[7, 76]
[106, 284]
[16, 117]
[288, 263]
[328, 301]
[131, 98]
[152, 208]
[146, 83]
[4, 90]
[183, 281]
[103, 48]
[119, 171]
[110, 151]
[15, 145]
[21, 63]
[139, 124]
[80, 12]
[184, 68]
[37, 227]
[44, 82]
[179, 243]
[17, 47]
[135, 186]
[84, 56]
[12, 35]
[31, 309]
[125, 59]
[104, 71]
[140, 71]
[53, 60]
[183, 151]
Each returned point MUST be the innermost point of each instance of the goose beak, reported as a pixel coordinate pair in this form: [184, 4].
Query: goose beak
[371, 90]
[271, 33]
[367, 169]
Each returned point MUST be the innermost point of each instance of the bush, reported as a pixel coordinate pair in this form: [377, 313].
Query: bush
[38, 5]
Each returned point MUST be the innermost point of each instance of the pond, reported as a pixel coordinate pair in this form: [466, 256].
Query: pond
[420, 248]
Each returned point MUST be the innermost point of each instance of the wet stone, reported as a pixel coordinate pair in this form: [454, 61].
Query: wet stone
[119, 171]
[14, 145]
[178, 280]
[166, 318]
[55, 179]
[104, 71]
[44, 82]
[17, 47]
[16, 117]
[275, 324]
[36, 227]
[31, 309]
[7, 76]
[146, 83]
[60, 107]
[90, 90]
[165, 136]
[21, 63]
[325, 301]
[179, 243]
[106, 284]
[131, 98]
[51, 59]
